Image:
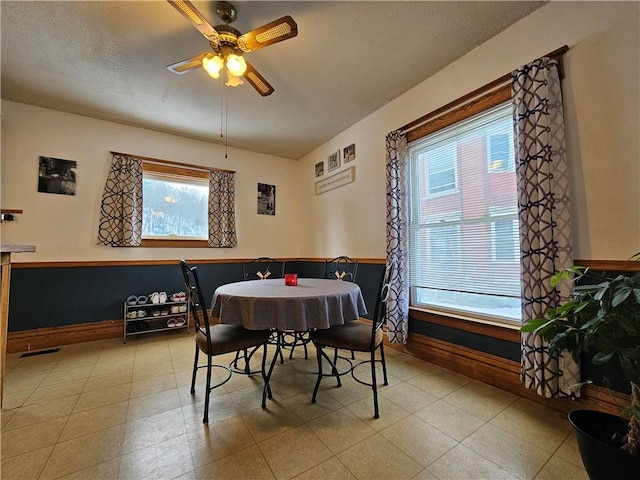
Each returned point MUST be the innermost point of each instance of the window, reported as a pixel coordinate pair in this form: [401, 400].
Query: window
[463, 233]
[175, 206]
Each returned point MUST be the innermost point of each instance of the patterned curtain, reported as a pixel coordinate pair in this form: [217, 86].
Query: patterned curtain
[397, 241]
[222, 220]
[121, 206]
[545, 223]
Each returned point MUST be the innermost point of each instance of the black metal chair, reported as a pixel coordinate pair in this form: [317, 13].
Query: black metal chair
[219, 339]
[359, 337]
[341, 268]
[262, 268]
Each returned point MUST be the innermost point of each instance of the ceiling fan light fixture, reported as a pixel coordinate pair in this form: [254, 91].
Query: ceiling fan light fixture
[233, 80]
[236, 65]
[213, 65]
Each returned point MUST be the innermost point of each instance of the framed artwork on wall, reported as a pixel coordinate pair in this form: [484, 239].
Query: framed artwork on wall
[349, 153]
[266, 199]
[56, 175]
[334, 161]
[320, 169]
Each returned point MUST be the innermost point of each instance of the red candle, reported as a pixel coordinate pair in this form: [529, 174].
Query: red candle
[291, 279]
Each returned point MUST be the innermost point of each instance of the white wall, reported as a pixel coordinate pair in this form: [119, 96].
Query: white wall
[602, 116]
[64, 228]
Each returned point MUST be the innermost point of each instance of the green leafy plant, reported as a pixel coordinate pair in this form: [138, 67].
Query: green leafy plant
[603, 321]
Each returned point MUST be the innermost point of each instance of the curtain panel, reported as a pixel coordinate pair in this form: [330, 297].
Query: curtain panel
[222, 217]
[397, 242]
[121, 207]
[544, 217]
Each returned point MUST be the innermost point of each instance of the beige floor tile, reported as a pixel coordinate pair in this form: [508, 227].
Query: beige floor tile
[377, 458]
[12, 399]
[26, 466]
[536, 424]
[481, 400]
[389, 412]
[294, 451]
[102, 471]
[220, 408]
[439, 383]
[247, 464]
[41, 412]
[508, 451]
[83, 452]
[457, 423]
[94, 420]
[165, 460]
[249, 398]
[218, 440]
[102, 397]
[341, 429]
[558, 469]
[141, 388]
[151, 370]
[51, 392]
[350, 391]
[308, 411]
[569, 450]
[68, 374]
[152, 404]
[409, 397]
[330, 469]
[18, 380]
[427, 475]
[110, 367]
[153, 429]
[408, 368]
[118, 377]
[460, 463]
[7, 415]
[291, 385]
[30, 438]
[273, 420]
[422, 442]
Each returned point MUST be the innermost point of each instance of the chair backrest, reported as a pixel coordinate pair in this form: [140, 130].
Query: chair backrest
[341, 268]
[380, 311]
[196, 299]
[262, 268]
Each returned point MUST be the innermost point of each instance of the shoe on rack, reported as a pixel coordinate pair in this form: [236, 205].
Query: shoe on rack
[180, 322]
[164, 311]
[162, 297]
[171, 323]
[154, 297]
[132, 314]
[182, 308]
[175, 308]
[142, 299]
[132, 300]
[141, 313]
[155, 313]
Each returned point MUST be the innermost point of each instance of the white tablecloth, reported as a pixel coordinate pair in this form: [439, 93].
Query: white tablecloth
[266, 304]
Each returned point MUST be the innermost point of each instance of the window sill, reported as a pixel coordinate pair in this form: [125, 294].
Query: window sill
[174, 243]
[510, 333]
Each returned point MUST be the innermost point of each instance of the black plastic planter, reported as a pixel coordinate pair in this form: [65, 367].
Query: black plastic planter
[601, 460]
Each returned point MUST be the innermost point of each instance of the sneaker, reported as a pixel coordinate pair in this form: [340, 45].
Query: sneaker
[132, 300]
[164, 311]
[175, 308]
[155, 297]
[142, 300]
[141, 313]
[182, 308]
[132, 314]
[162, 297]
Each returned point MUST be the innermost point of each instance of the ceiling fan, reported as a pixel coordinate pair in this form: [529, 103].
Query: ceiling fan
[229, 45]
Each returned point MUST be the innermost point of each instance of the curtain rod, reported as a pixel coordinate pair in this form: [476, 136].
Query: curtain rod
[169, 162]
[556, 55]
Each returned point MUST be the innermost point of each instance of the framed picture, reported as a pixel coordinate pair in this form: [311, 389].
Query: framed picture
[56, 175]
[266, 199]
[320, 169]
[349, 153]
[334, 161]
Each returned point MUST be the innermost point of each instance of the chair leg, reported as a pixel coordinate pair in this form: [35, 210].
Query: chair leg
[334, 370]
[205, 419]
[315, 389]
[374, 386]
[266, 391]
[384, 364]
[195, 370]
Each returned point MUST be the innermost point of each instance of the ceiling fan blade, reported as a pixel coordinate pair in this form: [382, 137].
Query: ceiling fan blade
[187, 65]
[186, 8]
[257, 81]
[273, 32]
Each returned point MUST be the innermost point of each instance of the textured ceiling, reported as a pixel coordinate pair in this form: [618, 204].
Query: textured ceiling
[107, 60]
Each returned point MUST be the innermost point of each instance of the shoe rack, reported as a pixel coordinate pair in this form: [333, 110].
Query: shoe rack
[156, 313]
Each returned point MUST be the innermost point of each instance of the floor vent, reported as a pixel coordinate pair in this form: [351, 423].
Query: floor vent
[41, 352]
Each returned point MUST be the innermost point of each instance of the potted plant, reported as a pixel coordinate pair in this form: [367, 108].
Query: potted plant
[603, 321]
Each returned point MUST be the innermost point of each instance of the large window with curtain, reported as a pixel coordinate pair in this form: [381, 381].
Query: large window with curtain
[463, 225]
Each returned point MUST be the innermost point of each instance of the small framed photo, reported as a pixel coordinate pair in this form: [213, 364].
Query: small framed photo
[56, 175]
[349, 153]
[334, 161]
[266, 199]
[320, 169]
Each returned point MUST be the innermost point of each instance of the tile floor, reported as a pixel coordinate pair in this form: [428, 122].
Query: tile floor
[104, 410]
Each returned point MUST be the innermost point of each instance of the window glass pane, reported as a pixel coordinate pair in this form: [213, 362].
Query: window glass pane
[174, 207]
[464, 246]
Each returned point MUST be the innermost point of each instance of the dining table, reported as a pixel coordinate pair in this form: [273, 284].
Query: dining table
[313, 303]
